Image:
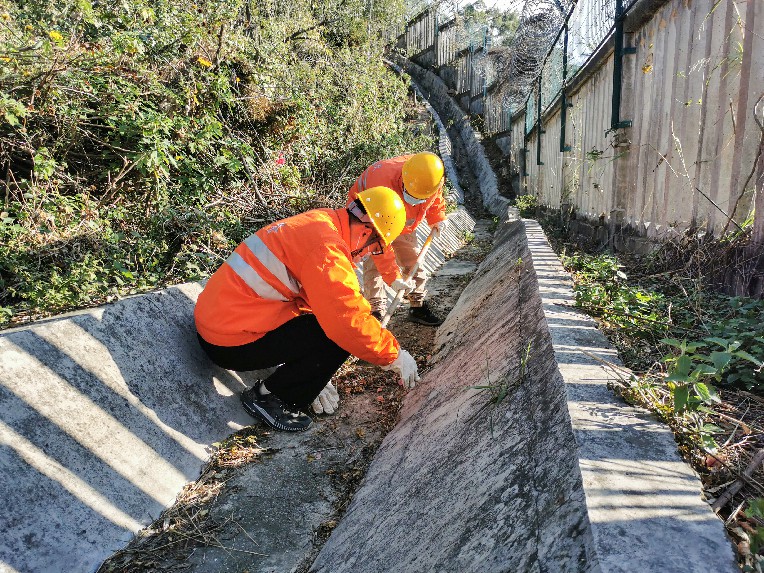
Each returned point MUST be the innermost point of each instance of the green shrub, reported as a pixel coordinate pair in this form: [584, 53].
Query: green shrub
[526, 205]
[603, 290]
[711, 338]
[141, 141]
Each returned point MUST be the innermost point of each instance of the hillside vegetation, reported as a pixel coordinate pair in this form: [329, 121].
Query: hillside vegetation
[140, 141]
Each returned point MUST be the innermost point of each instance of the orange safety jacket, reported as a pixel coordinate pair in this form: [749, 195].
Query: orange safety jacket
[389, 173]
[291, 267]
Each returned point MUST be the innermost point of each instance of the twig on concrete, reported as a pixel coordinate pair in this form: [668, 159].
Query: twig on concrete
[614, 367]
[733, 515]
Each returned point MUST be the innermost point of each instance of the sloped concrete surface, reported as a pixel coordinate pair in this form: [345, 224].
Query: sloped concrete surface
[643, 500]
[541, 471]
[436, 92]
[468, 481]
[445, 147]
[104, 416]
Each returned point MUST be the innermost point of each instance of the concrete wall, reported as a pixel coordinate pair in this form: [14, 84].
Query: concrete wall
[438, 95]
[462, 484]
[690, 91]
[512, 455]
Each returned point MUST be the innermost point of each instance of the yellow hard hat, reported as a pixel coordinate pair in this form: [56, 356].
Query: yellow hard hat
[386, 210]
[423, 175]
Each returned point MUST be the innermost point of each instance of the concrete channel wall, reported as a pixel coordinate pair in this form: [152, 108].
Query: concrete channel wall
[513, 456]
[436, 92]
[104, 416]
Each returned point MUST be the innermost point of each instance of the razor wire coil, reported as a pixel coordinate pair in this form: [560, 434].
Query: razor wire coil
[508, 76]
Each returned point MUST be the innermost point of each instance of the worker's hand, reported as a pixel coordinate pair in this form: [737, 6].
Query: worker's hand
[405, 366]
[405, 286]
[440, 227]
[327, 401]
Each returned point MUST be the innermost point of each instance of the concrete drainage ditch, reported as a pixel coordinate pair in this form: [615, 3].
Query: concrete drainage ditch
[511, 455]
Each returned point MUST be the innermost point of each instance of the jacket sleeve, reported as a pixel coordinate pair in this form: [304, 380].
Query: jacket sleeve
[436, 211]
[387, 265]
[333, 294]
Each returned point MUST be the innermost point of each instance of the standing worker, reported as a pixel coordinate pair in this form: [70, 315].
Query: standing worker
[418, 180]
[288, 296]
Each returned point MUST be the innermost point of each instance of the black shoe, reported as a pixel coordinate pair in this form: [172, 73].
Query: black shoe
[423, 315]
[376, 314]
[273, 411]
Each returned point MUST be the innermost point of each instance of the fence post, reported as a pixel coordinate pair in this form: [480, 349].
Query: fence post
[624, 167]
[539, 128]
[758, 220]
[563, 96]
[615, 118]
[436, 42]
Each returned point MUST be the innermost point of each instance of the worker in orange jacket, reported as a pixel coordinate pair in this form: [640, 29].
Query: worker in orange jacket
[288, 296]
[418, 180]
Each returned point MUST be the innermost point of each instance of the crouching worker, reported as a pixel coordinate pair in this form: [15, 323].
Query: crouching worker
[288, 296]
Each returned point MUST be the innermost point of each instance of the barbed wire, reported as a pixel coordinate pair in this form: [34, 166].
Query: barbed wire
[537, 49]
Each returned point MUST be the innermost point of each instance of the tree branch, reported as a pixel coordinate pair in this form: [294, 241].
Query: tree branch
[725, 498]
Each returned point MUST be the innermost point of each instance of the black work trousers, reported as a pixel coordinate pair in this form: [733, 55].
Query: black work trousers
[306, 359]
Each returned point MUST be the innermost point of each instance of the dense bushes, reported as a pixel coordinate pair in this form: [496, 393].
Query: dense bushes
[140, 141]
[704, 338]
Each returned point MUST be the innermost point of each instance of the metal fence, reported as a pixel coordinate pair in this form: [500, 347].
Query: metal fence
[602, 101]
[554, 41]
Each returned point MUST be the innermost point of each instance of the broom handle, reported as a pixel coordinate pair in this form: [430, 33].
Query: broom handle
[399, 294]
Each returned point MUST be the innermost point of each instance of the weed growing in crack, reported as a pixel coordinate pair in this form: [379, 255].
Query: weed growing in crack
[499, 390]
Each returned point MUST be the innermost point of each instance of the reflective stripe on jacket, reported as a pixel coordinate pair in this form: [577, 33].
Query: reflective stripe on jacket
[389, 173]
[297, 265]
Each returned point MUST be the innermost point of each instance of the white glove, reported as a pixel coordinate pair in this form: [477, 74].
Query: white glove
[405, 366]
[327, 401]
[440, 227]
[405, 286]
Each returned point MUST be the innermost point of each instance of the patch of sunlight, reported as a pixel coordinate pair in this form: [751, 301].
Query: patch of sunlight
[54, 471]
[620, 490]
[5, 568]
[221, 388]
[96, 430]
[604, 353]
[91, 355]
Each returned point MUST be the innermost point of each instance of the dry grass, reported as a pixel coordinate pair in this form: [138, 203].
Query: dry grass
[186, 524]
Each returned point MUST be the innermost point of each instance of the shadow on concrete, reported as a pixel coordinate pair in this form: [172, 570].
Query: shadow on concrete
[105, 415]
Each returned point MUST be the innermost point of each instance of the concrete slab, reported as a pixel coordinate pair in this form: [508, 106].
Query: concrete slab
[104, 416]
[644, 502]
[505, 460]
